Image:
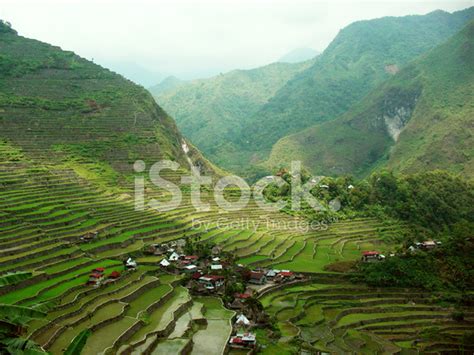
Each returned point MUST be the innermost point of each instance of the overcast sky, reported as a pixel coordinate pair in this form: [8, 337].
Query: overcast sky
[196, 38]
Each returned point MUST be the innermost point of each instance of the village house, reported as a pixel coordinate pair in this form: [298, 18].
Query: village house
[426, 245]
[165, 263]
[242, 341]
[429, 244]
[190, 268]
[191, 258]
[239, 299]
[285, 276]
[88, 237]
[211, 282]
[96, 277]
[242, 321]
[196, 275]
[114, 275]
[368, 256]
[216, 267]
[174, 256]
[130, 264]
[271, 274]
[257, 278]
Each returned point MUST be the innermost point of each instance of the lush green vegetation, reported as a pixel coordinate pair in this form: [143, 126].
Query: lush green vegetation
[69, 133]
[236, 125]
[211, 112]
[434, 202]
[418, 120]
[332, 315]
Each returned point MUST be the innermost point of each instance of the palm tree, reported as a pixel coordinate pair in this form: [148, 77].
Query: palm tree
[14, 319]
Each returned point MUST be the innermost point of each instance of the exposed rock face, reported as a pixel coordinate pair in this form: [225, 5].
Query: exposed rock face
[397, 121]
[392, 69]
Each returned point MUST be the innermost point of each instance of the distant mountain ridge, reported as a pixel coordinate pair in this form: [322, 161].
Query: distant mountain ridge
[166, 84]
[362, 56]
[421, 119]
[133, 71]
[298, 55]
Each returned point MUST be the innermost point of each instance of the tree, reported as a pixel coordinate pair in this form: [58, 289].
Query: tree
[14, 319]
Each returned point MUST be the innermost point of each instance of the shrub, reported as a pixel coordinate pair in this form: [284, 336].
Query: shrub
[458, 316]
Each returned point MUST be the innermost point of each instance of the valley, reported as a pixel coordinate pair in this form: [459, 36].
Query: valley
[382, 121]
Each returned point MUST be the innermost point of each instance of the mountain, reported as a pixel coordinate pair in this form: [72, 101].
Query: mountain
[134, 72]
[236, 121]
[363, 55]
[166, 84]
[421, 119]
[55, 104]
[298, 55]
[210, 112]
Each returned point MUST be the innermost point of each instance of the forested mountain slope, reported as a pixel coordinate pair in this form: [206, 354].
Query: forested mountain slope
[238, 130]
[166, 84]
[211, 111]
[421, 119]
[362, 55]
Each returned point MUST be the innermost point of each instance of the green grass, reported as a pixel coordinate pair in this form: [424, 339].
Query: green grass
[64, 266]
[252, 259]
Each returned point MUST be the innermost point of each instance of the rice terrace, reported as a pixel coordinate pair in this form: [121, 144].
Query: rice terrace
[318, 203]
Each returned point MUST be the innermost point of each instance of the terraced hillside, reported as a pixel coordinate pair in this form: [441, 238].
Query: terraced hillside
[47, 208]
[312, 251]
[331, 314]
[54, 103]
[69, 133]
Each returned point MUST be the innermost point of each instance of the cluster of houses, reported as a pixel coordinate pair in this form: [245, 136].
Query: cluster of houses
[264, 276]
[203, 272]
[165, 248]
[242, 338]
[97, 277]
[373, 255]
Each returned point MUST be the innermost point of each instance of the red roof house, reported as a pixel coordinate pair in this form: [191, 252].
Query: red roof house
[242, 296]
[196, 275]
[114, 275]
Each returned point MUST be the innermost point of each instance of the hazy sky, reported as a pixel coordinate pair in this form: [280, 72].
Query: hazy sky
[196, 38]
